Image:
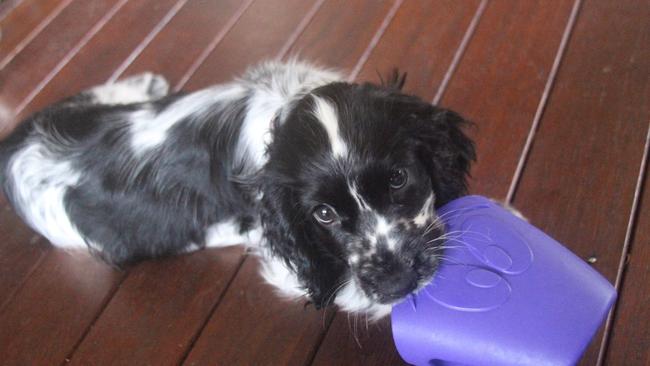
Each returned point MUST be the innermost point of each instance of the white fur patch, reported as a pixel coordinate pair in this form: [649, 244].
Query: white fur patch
[40, 182]
[118, 94]
[135, 89]
[191, 248]
[352, 298]
[363, 205]
[227, 233]
[326, 114]
[276, 273]
[276, 86]
[384, 228]
[255, 132]
[149, 129]
[425, 213]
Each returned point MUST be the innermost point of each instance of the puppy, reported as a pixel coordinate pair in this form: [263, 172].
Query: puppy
[334, 184]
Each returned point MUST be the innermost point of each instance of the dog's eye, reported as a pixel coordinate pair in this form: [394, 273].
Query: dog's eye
[398, 178]
[325, 214]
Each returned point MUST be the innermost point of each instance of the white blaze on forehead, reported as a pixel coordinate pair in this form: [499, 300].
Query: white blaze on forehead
[325, 112]
[363, 205]
[425, 212]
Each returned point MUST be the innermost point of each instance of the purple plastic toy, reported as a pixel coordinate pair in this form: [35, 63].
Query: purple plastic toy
[505, 294]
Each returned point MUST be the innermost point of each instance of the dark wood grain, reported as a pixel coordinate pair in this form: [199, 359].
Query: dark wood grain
[96, 61]
[20, 250]
[175, 48]
[6, 7]
[31, 66]
[48, 315]
[21, 22]
[421, 41]
[154, 315]
[580, 178]
[629, 340]
[499, 83]
[578, 184]
[350, 341]
[259, 34]
[275, 331]
[337, 38]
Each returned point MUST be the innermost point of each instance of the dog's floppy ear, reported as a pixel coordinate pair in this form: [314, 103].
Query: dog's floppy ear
[445, 150]
[290, 236]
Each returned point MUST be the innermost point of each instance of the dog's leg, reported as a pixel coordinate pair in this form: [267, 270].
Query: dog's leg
[138, 88]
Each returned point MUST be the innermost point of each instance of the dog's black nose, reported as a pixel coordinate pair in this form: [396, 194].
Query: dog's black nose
[397, 286]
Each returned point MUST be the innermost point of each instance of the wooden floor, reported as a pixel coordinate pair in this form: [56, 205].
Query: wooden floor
[559, 91]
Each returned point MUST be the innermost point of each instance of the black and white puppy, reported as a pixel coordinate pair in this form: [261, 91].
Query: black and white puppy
[334, 183]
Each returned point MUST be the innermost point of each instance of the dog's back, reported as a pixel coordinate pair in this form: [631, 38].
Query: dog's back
[133, 173]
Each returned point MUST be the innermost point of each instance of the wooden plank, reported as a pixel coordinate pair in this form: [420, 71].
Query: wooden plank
[350, 341]
[25, 21]
[630, 336]
[31, 66]
[510, 56]
[20, 251]
[102, 54]
[48, 315]
[338, 38]
[258, 35]
[172, 52]
[252, 326]
[6, 7]
[277, 331]
[421, 41]
[154, 315]
[178, 303]
[578, 184]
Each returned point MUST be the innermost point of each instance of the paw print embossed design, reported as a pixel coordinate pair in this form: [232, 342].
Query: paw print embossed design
[486, 252]
[505, 294]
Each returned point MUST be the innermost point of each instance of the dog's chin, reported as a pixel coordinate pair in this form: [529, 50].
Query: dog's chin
[352, 298]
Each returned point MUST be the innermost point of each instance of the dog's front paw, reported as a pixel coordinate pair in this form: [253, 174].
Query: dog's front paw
[149, 84]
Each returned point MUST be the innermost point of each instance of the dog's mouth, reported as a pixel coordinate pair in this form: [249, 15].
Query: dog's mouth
[397, 292]
[392, 281]
[385, 275]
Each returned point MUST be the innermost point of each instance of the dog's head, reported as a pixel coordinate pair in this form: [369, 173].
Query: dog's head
[353, 177]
